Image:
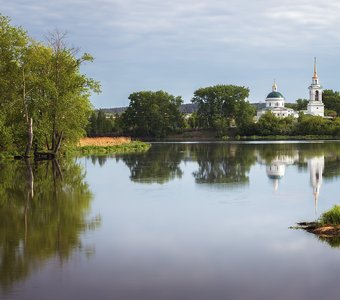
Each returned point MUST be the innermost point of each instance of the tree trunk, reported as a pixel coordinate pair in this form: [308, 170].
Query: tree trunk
[57, 147]
[30, 137]
[29, 195]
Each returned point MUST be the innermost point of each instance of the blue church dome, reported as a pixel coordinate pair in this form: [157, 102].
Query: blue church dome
[275, 95]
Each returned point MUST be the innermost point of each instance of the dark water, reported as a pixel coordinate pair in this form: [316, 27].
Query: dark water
[182, 221]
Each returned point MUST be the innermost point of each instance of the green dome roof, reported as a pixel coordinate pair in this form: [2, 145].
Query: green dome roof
[275, 95]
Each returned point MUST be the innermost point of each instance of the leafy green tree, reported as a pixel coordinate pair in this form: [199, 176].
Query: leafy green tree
[69, 105]
[331, 99]
[152, 114]
[269, 124]
[44, 97]
[301, 104]
[193, 121]
[225, 103]
[91, 128]
[330, 113]
[313, 125]
[13, 42]
[100, 124]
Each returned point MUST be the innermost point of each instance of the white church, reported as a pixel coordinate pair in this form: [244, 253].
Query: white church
[275, 102]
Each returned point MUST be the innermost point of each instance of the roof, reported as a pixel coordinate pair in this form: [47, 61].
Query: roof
[274, 95]
[278, 109]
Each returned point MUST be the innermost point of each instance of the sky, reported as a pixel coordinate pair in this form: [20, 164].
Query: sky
[181, 45]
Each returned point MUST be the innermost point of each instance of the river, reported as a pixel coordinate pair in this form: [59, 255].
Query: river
[181, 221]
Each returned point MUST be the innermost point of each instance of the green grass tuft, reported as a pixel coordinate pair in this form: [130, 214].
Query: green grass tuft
[132, 147]
[331, 217]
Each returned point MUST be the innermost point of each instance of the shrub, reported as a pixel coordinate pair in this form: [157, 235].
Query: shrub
[331, 217]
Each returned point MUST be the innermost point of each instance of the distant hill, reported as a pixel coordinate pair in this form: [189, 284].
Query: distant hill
[258, 105]
[115, 110]
[188, 108]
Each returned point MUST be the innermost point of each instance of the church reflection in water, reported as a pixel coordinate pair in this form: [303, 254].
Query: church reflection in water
[276, 169]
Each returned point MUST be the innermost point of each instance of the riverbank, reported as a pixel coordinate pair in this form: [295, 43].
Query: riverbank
[197, 135]
[108, 145]
[326, 228]
[323, 230]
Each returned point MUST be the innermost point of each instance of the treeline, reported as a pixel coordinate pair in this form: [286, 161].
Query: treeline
[44, 99]
[269, 124]
[157, 114]
[101, 124]
[224, 109]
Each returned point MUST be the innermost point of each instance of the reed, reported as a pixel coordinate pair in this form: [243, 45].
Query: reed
[103, 141]
[108, 145]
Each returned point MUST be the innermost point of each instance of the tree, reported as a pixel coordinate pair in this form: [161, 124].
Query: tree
[152, 114]
[301, 104]
[13, 42]
[331, 99]
[100, 124]
[224, 103]
[268, 124]
[69, 106]
[42, 91]
[313, 125]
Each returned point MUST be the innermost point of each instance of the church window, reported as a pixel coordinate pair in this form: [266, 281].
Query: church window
[316, 95]
[277, 103]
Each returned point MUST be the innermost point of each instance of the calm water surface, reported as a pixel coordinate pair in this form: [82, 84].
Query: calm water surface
[182, 221]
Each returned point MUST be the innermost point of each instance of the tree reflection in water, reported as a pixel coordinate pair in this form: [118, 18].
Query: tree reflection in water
[43, 212]
[334, 242]
[228, 164]
[157, 165]
[223, 163]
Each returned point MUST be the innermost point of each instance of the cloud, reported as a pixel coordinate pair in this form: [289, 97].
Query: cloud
[146, 37]
[238, 23]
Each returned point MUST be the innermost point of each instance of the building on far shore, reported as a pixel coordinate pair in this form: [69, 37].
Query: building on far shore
[275, 102]
[315, 105]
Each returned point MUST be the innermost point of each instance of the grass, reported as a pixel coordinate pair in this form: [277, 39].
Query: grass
[109, 145]
[104, 141]
[326, 228]
[331, 217]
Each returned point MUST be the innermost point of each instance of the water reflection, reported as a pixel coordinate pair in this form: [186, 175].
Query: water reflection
[276, 166]
[230, 163]
[43, 211]
[334, 242]
[155, 166]
[184, 221]
[223, 164]
[316, 166]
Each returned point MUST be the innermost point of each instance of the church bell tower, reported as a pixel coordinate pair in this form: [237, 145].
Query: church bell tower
[315, 105]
